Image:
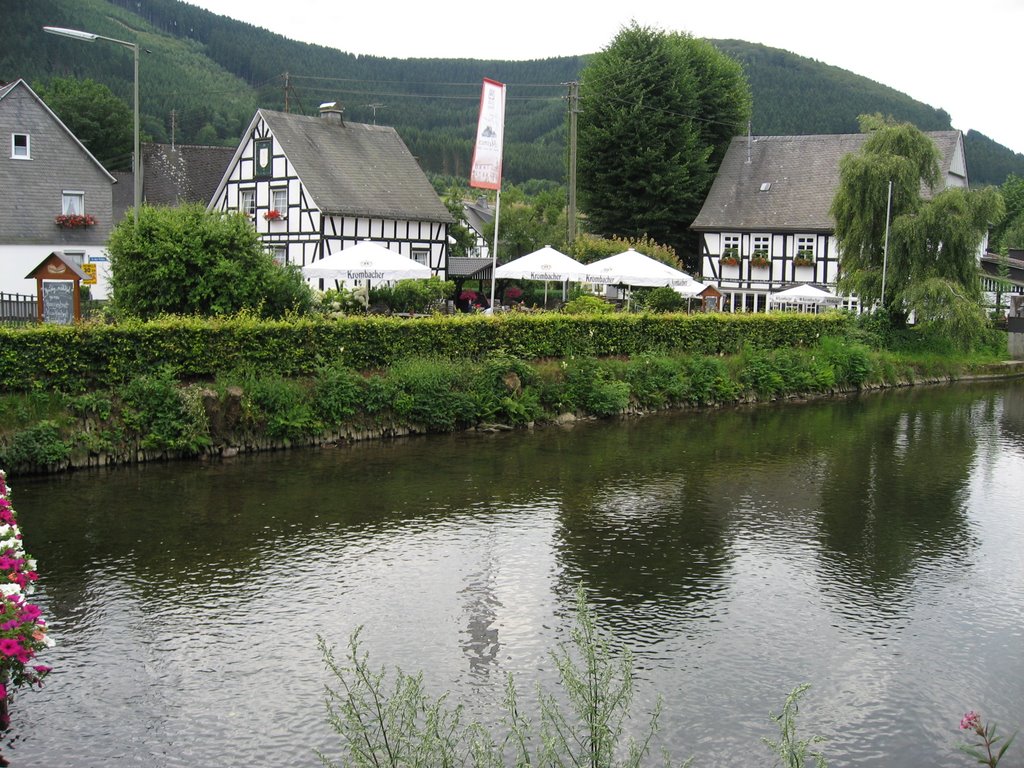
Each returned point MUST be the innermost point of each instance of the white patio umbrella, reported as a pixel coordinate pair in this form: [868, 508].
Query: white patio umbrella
[633, 268]
[368, 261]
[547, 264]
[804, 295]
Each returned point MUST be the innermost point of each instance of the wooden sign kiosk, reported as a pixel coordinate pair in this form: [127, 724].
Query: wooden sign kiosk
[58, 289]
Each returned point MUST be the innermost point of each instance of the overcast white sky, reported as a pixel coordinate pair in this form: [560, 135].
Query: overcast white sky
[965, 58]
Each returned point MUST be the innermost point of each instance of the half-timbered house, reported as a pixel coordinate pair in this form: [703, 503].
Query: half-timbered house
[766, 224]
[315, 185]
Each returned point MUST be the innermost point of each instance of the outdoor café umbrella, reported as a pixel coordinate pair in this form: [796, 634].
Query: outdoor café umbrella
[804, 295]
[633, 268]
[368, 261]
[547, 264]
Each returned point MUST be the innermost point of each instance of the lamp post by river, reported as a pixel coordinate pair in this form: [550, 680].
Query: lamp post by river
[136, 153]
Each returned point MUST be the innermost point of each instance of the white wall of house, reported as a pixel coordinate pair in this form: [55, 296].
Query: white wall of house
[16, 261]
[750, 284]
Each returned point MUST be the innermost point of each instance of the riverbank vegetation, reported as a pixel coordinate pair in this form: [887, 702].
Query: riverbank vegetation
[180, 388]
[588, 721]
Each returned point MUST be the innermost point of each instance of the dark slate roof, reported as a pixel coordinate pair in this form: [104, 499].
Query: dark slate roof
[6, 89]
[182, 173]
[469, 267]
[803, 172]
[478, 214]
[353, 169]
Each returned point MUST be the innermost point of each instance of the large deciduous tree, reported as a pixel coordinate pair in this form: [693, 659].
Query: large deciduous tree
[189, 261]
[657, 112]
[100, 120]
[931, 268]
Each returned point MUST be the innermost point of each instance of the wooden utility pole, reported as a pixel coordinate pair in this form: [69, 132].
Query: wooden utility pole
[286, 89]
[574, 108]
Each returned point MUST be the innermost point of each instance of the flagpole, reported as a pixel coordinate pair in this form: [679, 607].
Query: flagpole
[494, 248]
[485, 170]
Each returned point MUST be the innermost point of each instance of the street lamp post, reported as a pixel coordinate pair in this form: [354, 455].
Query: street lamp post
[136, 153]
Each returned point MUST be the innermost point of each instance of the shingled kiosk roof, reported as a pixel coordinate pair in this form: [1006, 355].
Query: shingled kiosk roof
[803, 173]
[353, 169]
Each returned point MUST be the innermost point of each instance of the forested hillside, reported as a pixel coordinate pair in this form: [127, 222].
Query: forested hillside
[211, 73]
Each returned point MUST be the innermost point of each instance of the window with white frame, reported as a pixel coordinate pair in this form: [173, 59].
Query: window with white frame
[731, 245]
[279, 201]
[247, 201]
[761, 245]
[421, 255]
[20, 146]
[805, 247]
[280, 253]
[72, 203]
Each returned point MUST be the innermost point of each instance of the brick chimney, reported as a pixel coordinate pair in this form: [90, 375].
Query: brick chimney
[331, 110]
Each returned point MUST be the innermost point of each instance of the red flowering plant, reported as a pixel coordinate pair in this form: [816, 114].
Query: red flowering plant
[75, 220]
[22, 627]
[984, 751]
[272, 215]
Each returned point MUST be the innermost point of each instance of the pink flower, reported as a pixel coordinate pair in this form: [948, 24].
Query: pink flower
[970, 722]
[3, 691]
[42, 669]
[9, 646]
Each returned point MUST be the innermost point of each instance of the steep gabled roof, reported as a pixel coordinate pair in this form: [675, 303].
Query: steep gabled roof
[789, 182]
[353, 169]
[10, 87]
[182, 173]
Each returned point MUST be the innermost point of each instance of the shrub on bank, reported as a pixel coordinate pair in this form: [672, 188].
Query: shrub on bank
[85, 357]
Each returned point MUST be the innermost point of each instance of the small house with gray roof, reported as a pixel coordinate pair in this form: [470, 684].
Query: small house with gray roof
[766, 224]
[315, 185]
[54, 194]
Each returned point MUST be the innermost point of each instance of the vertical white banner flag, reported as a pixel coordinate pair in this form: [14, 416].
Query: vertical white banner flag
[490, 134]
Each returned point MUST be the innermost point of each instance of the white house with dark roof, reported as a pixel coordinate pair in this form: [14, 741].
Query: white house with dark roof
[769, 206]
[315, 185]
[54, 195]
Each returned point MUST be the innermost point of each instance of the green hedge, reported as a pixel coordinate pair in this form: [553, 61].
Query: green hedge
[82, 357]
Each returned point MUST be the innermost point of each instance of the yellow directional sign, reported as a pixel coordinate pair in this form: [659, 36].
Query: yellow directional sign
[90, 270]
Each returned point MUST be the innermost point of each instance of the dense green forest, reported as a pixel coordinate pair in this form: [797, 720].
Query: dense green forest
[203, 75]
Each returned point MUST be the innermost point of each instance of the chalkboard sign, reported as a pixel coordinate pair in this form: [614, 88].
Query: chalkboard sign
[59, 302]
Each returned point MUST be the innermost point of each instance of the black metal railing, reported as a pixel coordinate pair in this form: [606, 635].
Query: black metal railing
[18, 309]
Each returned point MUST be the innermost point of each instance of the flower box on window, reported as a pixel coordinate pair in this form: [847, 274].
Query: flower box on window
[760, 259]
[74, 220]
[803, 259]
[273, 215]
[730, 257]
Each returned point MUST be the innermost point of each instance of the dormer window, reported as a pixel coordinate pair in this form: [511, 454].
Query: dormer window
[20, 147]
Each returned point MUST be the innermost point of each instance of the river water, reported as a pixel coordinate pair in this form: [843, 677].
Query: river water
[872, 547]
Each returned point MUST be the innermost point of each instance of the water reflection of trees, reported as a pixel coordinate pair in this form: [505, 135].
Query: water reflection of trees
[894, 490]
[647, 507]
[879, 482]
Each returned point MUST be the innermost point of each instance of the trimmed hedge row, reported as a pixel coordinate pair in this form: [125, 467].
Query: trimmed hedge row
[82, 357]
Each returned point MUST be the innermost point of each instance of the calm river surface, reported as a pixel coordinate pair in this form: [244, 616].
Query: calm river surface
[872, 547]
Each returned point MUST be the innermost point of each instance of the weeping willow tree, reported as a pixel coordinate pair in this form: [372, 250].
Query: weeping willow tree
[931, 268]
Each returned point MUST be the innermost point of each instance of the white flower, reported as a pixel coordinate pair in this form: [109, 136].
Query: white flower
[31, 564]
[9, 589]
